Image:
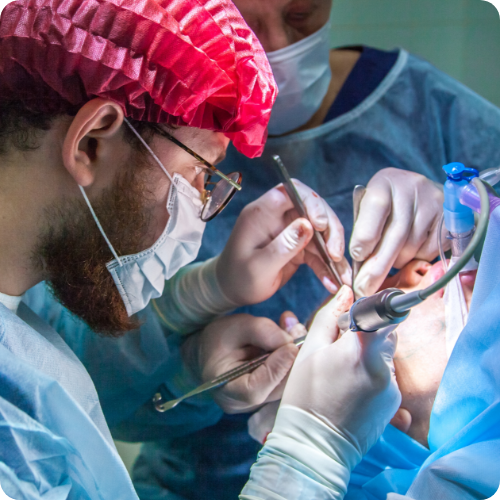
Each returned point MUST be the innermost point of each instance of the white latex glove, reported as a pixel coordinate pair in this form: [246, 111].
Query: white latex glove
[349, 383]
[398, 221]
[230, 341]
[269, 242]
[261, 423]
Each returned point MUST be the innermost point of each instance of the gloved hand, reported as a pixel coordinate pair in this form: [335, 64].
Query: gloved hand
[269, 242]
[261, 423]
[346, 383]
[338, 400]
[398, 221]
[230, 341]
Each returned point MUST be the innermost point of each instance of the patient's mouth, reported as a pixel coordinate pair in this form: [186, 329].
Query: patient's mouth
[467, 278]
[435, 273]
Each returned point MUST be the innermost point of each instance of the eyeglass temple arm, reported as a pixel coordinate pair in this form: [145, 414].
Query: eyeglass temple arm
[226, 178]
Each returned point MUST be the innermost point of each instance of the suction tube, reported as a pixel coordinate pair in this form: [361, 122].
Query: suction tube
[369, 314]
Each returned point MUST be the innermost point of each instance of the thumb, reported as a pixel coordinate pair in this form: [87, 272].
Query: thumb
[324, 329]
[290, 242]
[379, 348]
[263, 381]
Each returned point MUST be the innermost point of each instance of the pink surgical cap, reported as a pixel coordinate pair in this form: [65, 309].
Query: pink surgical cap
[182, 62]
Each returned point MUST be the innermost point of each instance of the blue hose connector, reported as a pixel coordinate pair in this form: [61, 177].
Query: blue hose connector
[458, 218]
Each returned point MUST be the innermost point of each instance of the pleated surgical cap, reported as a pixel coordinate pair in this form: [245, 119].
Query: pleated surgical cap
[181, 62]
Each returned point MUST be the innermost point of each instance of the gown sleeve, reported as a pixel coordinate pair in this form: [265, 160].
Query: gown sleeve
[128, 372]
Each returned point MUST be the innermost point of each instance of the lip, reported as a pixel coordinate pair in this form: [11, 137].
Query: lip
[435, 273]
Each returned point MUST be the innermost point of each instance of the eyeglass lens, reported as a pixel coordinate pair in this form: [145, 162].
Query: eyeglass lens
[219, 195]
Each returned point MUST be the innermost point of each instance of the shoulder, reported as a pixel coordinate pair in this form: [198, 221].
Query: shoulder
[417, 83]
[36, 462]
[428, 78]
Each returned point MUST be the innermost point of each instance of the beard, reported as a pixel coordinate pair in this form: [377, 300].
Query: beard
[73, 254]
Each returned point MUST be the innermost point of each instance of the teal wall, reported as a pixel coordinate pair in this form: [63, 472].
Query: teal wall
[460, 37]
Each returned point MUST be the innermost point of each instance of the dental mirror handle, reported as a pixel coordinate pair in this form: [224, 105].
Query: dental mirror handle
[357, 195]
[163, 406]
[299, 206]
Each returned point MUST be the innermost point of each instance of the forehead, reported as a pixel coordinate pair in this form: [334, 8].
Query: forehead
[301, 14]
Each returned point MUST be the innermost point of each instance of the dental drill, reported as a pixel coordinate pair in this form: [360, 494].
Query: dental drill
[392, 306]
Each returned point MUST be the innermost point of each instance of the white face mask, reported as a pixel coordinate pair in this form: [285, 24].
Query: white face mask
[141, 277]
[302, 72]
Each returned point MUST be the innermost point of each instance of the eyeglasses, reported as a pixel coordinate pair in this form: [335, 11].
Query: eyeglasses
[216, 195]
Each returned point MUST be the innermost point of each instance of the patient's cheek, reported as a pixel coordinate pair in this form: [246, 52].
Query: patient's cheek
[420, 361]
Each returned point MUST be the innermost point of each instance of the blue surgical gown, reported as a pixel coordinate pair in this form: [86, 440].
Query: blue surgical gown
[416, 119]
[54, 441]
[464, 433]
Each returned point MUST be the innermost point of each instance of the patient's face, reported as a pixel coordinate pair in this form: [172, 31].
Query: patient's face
[420, 357]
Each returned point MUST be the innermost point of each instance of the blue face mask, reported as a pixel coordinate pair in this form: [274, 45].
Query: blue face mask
[302, 72]
[141, 277]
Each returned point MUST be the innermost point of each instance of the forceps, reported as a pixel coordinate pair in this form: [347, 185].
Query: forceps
[219, 381]
[357, 196]
[317, 239]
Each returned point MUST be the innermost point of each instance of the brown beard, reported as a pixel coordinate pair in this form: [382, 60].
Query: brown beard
[74, 254]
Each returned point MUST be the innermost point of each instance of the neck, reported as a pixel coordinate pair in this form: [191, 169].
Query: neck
[19, 227]
[342, 63]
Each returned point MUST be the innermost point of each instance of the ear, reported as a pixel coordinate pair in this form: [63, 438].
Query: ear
[97, 121]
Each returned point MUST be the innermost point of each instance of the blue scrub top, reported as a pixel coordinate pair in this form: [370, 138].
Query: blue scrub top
[415, 118]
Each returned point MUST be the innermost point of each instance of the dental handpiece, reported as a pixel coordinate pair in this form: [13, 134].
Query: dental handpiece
[392, 306]
[369, 314]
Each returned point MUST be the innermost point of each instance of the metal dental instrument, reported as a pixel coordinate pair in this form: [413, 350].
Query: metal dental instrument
[218, 381]
[317, 239]
[357, 196]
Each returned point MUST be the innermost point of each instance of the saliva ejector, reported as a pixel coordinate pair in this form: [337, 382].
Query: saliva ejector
[465, 193]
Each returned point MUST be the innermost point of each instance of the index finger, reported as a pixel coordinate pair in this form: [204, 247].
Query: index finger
[374, 211]
[323, 219]
[377, 266]
[378, 348]
[264, 334]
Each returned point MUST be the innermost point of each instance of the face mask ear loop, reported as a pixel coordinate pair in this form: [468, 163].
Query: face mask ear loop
[145, 144]
[115, 255]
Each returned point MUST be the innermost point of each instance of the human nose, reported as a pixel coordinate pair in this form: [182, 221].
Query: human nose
[275, 34]
[414, 273]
